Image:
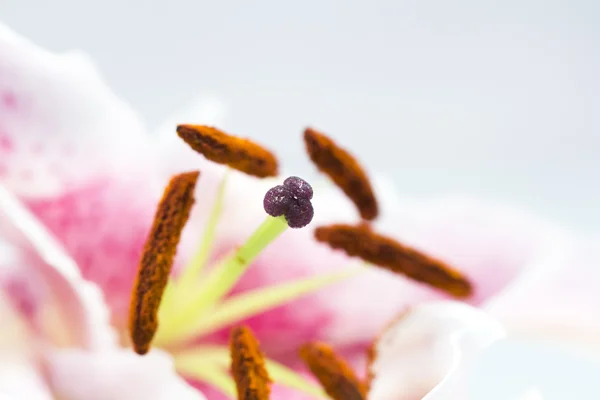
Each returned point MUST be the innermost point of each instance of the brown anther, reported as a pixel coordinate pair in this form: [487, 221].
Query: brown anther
[334, 374]
[360, 241]
[157, 258]
[238, 153]
[344, 170]
[247, 366]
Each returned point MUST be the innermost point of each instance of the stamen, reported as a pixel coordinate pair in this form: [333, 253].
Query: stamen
[344, 170]
[239, 153]
[360, 241]
[334, 374]
[248, 366]
[157, 259]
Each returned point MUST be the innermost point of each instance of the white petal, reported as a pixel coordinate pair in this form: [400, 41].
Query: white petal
[557, 297]
[20, 380]
[119, 374]
[59, 123]
[428, 351]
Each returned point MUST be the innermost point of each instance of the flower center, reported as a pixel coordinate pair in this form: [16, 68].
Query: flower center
[188, 307]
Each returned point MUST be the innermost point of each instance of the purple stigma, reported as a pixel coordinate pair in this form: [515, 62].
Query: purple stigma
[300, 213]
[292, 199]
[299, 187]
[277, 200]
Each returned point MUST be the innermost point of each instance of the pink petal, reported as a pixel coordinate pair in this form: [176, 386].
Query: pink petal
[67, 141]
[558, 297]
[59, 124]
[103, 226]
[278, 392]
[118, 374]
[81, 159]
[428, 351]
[490, 242]
[44, 283]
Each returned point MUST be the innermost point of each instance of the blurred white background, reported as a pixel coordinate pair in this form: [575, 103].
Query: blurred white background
[494, 98]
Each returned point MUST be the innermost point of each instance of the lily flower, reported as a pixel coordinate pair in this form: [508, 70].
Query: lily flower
[56, 113]
[81, 161]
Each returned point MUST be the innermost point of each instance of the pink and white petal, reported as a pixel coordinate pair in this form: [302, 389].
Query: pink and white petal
[103, 226]
[557, 298]
[278, 392]
[19, 375]
[117, 374]
[15, 337]
[490, 242]
[79, 157]
[60, 125]
[45, 283]
[428, 351]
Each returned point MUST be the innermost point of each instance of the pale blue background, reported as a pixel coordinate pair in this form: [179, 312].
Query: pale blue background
[494, 98]
[561, 372]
